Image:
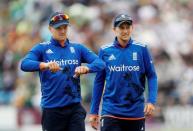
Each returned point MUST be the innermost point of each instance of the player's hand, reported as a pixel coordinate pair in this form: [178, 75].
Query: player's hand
[149, 109]
[52, 66]
[94, 121]
[81, 70]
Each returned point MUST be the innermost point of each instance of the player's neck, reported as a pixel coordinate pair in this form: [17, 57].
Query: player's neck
[62, 42]
[123, 43]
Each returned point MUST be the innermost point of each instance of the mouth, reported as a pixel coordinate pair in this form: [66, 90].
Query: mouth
[125, 35]
[62, 35]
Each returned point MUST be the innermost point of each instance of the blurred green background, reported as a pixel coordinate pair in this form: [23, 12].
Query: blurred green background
[165, 25]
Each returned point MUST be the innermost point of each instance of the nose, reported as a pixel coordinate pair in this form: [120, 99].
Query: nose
[62, 30]
[125, 30]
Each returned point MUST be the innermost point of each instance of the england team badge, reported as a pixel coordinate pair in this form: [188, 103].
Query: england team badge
[134, 55]
[72, 50]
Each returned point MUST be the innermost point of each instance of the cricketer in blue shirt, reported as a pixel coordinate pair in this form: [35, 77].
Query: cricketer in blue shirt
[58, 62]
[122, 83]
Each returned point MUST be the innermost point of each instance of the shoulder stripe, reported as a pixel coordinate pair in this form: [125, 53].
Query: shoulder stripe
[45, 43]
[138, 43]
[107, 46]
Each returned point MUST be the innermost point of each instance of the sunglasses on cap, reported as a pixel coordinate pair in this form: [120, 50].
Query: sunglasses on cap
[59, 17]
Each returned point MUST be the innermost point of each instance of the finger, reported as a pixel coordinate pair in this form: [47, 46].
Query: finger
[54, 67]
[94, 122]
[57, 67]
[83, 71]
[51, 67]
[94, 125]
[149, 111]
[76, 75]
[78, 70]
[145, 109]
[148, 115]
[86, 70]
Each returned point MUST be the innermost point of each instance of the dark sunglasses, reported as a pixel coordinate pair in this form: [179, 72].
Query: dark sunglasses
[60, 17]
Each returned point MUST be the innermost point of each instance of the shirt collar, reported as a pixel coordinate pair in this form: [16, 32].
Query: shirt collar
[116, 43]
[56, 43]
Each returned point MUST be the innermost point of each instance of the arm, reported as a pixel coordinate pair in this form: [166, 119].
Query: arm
[152, 83]
[31, 61]
[95, 64]
[97, 92]
[96, 97]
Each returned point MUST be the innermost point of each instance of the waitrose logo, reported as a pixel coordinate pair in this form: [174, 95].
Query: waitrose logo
[62, 62]
[123, 68]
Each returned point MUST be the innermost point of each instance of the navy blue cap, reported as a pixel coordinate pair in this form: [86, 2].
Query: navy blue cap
[122, 18]
[57, 19]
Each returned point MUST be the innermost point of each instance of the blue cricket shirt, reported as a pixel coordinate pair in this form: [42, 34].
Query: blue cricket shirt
[60, 89]
[124, 78]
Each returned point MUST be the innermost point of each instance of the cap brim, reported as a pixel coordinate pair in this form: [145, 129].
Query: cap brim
[125, 21]
[60, 24]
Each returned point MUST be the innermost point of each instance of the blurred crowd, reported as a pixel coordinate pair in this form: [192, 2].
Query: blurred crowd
[166, 26]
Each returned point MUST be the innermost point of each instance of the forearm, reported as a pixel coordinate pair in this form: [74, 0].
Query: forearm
[30, 65]
[96, 98]
[97, 92]
[152, 89]
[96, 66]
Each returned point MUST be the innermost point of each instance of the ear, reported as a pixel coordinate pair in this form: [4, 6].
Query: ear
[114, 29]
[49, 27]
[132, 26]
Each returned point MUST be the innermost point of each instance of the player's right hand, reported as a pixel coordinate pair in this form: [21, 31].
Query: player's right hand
[94, 121]
[80, 70]
[52, 66]
[149, 109]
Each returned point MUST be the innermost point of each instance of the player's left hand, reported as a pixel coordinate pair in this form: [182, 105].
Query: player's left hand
[81, 70]
[149, 109]
[94, 121]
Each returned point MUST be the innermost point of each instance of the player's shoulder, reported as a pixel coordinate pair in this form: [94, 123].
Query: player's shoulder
[107, 46]
[76, 45]
[41, 45]
[139, 44]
